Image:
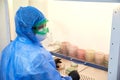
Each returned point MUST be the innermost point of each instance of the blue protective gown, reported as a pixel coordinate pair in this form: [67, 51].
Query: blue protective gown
[25, 58]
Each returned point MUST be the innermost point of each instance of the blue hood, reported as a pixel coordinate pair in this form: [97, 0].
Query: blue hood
[25, 19]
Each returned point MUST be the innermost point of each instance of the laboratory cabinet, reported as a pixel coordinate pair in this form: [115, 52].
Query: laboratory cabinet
[89, 28]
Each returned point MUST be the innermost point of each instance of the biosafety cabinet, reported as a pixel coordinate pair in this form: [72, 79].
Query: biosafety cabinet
[84, 32]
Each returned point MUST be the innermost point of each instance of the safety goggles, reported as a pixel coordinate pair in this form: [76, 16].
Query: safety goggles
[40, 28]
[42, 31]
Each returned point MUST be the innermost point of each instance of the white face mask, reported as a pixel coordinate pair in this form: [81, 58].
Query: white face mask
[40, 37]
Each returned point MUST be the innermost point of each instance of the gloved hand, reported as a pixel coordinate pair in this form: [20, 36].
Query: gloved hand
[57, 62]
[75, 75]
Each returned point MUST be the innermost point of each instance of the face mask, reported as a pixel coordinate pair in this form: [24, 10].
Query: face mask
[42, 33]
[40, 37]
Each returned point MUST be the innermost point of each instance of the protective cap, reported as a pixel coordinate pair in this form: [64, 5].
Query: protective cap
[25, 19]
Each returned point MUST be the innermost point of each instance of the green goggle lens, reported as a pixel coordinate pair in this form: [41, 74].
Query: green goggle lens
[43, 31]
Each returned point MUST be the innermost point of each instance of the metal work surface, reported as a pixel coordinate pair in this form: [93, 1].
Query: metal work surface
[86, 72]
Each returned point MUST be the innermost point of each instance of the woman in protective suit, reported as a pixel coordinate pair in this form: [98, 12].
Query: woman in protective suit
[25, 58]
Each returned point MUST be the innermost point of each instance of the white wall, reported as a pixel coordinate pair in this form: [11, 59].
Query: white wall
[87, 25]
[4, 25]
